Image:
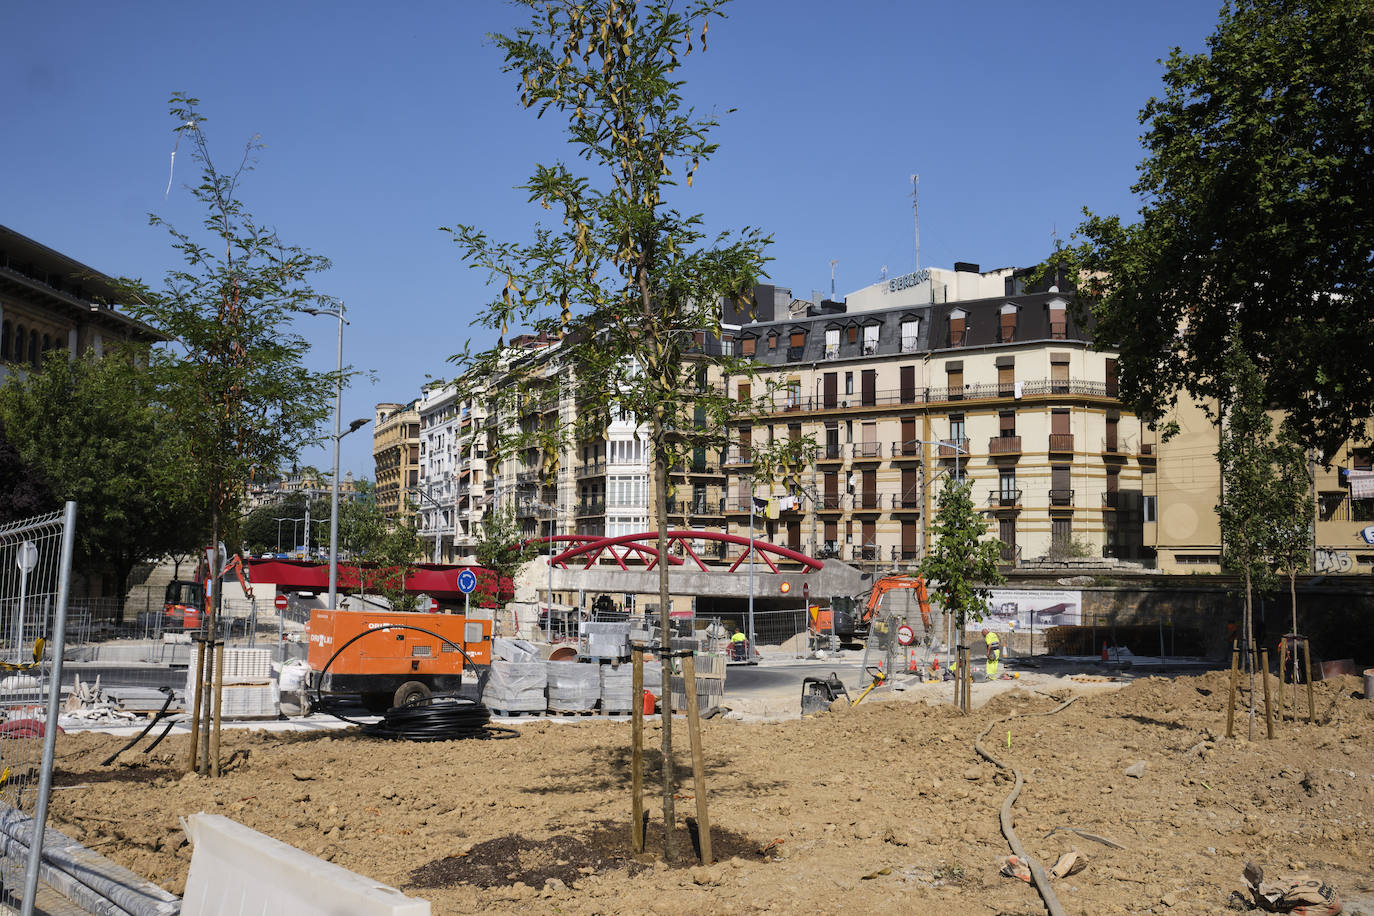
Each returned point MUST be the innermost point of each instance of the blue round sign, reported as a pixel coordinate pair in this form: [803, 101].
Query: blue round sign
[467, 581]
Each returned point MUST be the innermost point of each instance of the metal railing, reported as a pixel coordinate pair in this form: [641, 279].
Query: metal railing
[1005, 498]
[1061, 497]
[1004, 445]
[864, 450]
[1061, 442]
[789, 399]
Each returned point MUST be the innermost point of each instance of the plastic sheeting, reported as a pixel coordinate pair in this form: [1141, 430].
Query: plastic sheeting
[573, 686]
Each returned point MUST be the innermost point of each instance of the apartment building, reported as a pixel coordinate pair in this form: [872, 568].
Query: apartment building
[452, 470]
[396, 456]
[908, 382]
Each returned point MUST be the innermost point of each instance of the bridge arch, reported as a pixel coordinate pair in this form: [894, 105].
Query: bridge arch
[643, 549]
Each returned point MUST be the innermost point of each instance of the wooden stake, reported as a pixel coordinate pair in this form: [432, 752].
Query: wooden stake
[1311, 700]
[689, 677]
[637, 752]
[219, 698]
[1231, 701]
[1268, 711]
[200, 697]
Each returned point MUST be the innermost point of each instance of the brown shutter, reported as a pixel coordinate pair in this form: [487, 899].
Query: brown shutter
[870, 536]
[1059, 423]
[832, 383]
[870, 482]
[746, 346]
[908, 384]
[1112, 425]
[911, 486]
[1059, 478]
[1111, 378]
[869, 390]
[746, 442]
[853, 333]
[1006, 380]
[1113, 479]
[832, 486]
[744, 391]
[908, 539]
[794, 534]
[955, 380]
[909, 445]
[1059, 373]
[1059, 319]
[1007, 423]
[832, 531]
[1008, 322]
[798, 339]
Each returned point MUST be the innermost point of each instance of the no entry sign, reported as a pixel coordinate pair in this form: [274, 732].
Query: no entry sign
[279, 602]
[905, 635]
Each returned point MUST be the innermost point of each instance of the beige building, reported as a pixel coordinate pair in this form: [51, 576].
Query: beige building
[1189, 486]
[49, 301]
[396, 455]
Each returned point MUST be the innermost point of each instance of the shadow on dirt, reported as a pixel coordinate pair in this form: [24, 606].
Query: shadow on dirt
[568, 857]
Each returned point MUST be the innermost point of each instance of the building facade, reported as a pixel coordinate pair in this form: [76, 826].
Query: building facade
[396, 457]
[449, 499]
[49, 301]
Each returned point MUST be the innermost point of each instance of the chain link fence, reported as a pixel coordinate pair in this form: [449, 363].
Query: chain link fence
[35, 573]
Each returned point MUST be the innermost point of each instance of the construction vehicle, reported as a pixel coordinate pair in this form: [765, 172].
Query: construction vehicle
[183, 602]
[818, 693]
[392, 659]
[852, 625]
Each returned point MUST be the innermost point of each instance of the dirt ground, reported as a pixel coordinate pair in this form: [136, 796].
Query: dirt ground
[882, 806]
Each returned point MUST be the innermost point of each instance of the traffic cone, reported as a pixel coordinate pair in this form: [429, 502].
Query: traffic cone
[1104, 651]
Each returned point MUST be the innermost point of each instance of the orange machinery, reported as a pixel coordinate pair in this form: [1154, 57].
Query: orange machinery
[400, 665]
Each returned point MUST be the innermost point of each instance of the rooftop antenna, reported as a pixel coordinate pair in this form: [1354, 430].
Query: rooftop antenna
[916, 215]
[833, 262]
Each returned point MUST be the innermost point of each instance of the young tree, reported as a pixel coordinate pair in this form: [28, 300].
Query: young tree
[1258, 209]
[93, 430]
[235, 377]
[629, 287]
[1291, 531]
[391, 560]
[963, 560]
[501, 547]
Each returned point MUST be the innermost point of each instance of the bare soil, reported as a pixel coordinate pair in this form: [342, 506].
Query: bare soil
[884, 807]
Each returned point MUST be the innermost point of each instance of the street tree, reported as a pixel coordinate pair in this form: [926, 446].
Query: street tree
[234, 377]
[962, 563]
[501, 547]
[1292, 526]
[93, 430]
[23, 491]
[1265, 509]
[1257, 192]
[626, 289]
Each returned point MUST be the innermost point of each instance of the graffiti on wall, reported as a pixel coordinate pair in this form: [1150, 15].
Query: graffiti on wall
[1334, 561]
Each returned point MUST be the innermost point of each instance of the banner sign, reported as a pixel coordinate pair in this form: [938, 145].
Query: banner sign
[1021, 609]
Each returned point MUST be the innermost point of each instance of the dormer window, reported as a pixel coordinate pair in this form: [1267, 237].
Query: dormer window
[1006, 328]
[957, 327]
[747, 345]
[911, 333]
[1059, 319]
[870, 339]
[832, 343]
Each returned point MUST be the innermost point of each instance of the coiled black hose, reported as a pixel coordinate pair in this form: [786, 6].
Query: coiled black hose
[442, 718]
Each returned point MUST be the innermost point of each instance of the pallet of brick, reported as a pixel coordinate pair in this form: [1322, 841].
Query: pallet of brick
[710, 664]
[617, 688]
[573, 686]
[252, 695]
[601, 639]
[516, 686]
[514, 650]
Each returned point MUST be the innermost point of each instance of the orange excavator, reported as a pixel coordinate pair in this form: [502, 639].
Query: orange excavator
[851, 625]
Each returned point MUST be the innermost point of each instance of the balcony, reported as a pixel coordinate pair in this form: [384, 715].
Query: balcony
[868, 502]
[831, 451]
[1061, 442]
[830, 502]
[1004, 445]
[591, 507]
[910, 502]
[906, 450]
[1111, 446]
[867, 451]
[591, 469]
[739, 455]
[955, 449]
[1005, 498]
[1111, 499]
[1147, 451]
[1061, 498]
[705, 506]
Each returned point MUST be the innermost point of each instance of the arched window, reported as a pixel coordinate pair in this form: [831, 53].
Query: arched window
[33, 349]
[19, 338]
[47, 343]
[5, 341]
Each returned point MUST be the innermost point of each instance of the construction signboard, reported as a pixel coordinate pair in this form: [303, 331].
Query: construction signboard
[1024, 610]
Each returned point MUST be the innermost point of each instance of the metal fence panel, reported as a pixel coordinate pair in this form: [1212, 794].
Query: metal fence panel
[35, 574]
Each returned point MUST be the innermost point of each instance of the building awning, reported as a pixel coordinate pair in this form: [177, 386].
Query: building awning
[438, 580]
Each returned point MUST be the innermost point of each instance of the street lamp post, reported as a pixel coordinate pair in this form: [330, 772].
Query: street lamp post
[438, 523]
[338, 435]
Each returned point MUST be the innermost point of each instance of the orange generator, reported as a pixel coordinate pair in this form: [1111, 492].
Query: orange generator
[397, 664]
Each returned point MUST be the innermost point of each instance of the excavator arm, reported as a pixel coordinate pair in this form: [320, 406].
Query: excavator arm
[892, 583]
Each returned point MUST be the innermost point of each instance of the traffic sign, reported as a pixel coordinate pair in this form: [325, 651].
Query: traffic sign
[905, 635]
[467, 581]
[279, 602]
[434, 605]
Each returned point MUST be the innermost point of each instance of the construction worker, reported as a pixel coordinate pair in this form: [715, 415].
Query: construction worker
[994, 650]
[739, 646]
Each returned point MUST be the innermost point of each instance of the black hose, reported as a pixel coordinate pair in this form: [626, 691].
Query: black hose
[149, 727]
[442, 718]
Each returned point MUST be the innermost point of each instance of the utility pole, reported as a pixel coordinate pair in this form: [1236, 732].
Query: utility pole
[916, 215]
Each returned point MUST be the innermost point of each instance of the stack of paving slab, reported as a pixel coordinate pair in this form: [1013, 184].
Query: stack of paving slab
[517, 679]
[250, 687]
[605, 639]
[573, 686]
[710, 682]
[617, 688]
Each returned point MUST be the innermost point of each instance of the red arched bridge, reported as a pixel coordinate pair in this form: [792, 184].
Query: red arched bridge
[699, 563]
[642, 550]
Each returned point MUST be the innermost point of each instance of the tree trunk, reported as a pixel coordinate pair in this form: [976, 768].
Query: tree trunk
[1249, 637]
[206, 677]
[664, 620]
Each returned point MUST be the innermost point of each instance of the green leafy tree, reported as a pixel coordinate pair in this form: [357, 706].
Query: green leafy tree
[23, 491]
[262, 531]
[1258, 210]
[1265, 508]
[93, 430]
[629, 287]
[391, 560]
[962, 563]
[501, 546]
[234, 377]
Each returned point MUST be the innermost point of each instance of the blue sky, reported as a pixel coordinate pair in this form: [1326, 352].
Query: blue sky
[383, 122]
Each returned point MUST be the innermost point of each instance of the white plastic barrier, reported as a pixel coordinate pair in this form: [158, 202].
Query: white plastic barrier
[236, 870]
